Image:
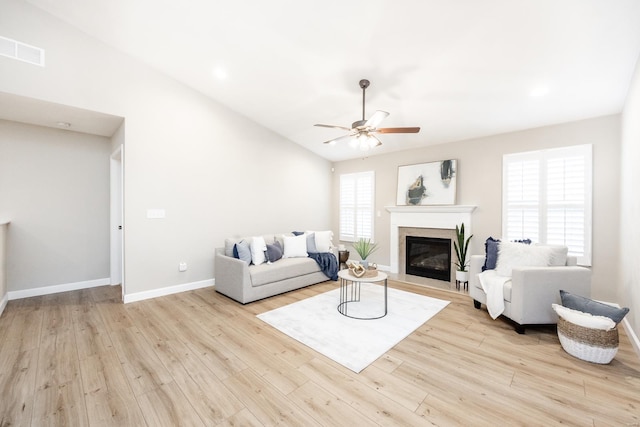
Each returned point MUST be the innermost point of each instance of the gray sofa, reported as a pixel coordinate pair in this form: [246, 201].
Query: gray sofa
[246, 283]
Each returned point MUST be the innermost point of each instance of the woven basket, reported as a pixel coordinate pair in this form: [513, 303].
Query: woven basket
[591, 345]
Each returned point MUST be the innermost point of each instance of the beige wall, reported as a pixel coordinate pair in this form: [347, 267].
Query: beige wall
[629, 289]
[479, 183]
[54, 188]
[3, 265]
[215, 173]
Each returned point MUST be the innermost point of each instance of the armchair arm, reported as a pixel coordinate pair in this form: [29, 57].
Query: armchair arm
[534, 289]
[231, 276]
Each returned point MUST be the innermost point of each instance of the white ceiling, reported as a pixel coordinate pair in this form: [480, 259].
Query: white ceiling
[459, 69]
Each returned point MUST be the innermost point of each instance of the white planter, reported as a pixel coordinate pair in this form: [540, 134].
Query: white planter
[462, 276]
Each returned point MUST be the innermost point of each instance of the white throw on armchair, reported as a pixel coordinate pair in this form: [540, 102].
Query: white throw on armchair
[531, 291]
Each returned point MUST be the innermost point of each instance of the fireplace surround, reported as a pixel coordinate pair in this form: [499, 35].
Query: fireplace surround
[429, 221]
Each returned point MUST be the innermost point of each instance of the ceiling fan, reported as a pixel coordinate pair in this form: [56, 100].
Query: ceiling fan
[362, 131]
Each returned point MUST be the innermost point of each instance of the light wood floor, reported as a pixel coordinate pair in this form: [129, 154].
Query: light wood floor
[198, 358]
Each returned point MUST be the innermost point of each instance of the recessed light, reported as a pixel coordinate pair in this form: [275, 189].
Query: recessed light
[220, 73]
[538, 91]
[65, 125]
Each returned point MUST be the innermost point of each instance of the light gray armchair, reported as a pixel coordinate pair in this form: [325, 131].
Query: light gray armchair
[531, 291]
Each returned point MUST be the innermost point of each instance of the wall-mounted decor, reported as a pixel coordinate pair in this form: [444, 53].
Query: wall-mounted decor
[431, 183]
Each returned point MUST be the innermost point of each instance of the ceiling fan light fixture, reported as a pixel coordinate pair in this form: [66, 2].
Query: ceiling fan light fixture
[362, 132]
[365, 142]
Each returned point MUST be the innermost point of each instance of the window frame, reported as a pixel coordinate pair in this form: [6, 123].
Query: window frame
[361, 209]
[543, 202]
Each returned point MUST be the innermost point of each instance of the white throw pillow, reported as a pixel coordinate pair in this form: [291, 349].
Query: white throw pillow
[586, 320]
[558, 254]
[295, 246]
[512, 255]
[258, 246]
[324, 240]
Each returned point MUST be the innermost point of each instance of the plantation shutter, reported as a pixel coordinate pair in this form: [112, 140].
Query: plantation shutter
[356, 206]
[522, 198]
[547, 198]
[569, 200]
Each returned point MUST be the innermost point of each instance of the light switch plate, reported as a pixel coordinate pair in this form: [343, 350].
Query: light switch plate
[155, 213]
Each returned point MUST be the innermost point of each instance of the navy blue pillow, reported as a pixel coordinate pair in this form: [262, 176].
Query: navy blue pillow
[491, 251]
[297, 233]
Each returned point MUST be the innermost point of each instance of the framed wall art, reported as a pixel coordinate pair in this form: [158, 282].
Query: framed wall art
[432, 183]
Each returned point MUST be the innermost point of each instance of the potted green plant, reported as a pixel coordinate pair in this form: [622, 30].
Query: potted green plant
[364, 248]
[461, 246]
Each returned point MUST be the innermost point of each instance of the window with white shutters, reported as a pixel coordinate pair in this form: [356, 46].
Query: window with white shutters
[356, 206]
[547, 198]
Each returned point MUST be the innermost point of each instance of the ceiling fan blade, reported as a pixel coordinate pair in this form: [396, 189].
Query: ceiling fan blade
[376, 119]
[379, 143]
[334, 140]
[398, 130]
[332, 126]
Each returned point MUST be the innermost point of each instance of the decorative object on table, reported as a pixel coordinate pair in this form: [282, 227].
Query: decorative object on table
[364, 248]
[431, 183]
[343, 256]
[461, 247]
[358, 270]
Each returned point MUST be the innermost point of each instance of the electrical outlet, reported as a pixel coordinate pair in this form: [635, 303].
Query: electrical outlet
[182, 266]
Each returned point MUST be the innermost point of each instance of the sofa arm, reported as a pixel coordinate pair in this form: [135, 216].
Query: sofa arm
[534, 289]
[231, 276]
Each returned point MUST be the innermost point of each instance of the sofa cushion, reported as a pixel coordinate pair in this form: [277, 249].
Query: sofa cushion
[230, 242]
[324, 240]
[311, 243]
[512, 255]
[587, 305]
[295, 246]
[274, 252]
[285, 268]
[242, 250]
[558, 255]
[491, 253]
[258, 249]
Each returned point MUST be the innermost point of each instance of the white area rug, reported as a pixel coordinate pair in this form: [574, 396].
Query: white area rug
[354, 343]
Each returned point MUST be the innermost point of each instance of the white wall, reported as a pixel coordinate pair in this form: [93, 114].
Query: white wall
[479, 183]
[629, 289]
[215, 173]
[54, 188]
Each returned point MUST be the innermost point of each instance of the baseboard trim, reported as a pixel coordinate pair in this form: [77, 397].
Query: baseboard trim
[54, 289]
[635, 342]
[169, 290]
[3, 303]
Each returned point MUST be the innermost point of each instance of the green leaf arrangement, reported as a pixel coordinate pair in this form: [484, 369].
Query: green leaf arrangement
[365, 247]
[461, 246]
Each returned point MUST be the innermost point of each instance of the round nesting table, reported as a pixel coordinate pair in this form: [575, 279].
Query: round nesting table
[350, 287]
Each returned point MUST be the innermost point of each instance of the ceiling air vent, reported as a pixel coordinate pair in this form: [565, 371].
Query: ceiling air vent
[21, 51]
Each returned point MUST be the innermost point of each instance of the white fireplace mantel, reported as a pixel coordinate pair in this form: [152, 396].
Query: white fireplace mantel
[445, 217]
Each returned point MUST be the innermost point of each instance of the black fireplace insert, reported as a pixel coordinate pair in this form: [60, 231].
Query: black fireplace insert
[428, 257]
